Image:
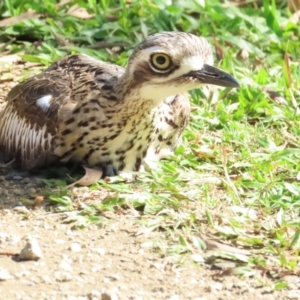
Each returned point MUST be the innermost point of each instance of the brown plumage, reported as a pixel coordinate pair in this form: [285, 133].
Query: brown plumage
[97, 113]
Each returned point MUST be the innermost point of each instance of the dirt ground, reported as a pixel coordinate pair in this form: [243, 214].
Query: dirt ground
[112, 262]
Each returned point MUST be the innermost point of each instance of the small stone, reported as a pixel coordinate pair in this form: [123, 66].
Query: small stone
[13, 239]
[65, 266]
[216, 286]
[59, 241]
[96, 269]
[31, 251]
[32, 190]
[292, 295]
[94, 295]
[62, 276]
[105, 296]
[23, 273]
[21, 209]
[114, 277]
[4, 274]
[4, 192]
[158, 266]
[46, 279]
[75, 247]
[3, 237]
[196, 257]
[100, 251]
[26, 180]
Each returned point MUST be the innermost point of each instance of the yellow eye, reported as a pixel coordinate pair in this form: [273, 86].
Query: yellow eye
[161, 61]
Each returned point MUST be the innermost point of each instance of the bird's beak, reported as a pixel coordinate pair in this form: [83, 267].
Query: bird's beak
[212, 75]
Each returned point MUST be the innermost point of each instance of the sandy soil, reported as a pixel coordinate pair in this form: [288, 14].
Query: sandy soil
[112, 262]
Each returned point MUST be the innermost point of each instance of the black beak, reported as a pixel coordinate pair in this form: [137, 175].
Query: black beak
[212, 75]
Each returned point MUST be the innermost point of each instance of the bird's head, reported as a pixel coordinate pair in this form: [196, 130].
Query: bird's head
[168, 63]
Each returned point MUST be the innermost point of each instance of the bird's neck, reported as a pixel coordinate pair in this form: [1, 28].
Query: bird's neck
[137, 97]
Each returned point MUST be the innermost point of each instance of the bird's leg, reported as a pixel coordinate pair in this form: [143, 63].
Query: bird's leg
[109, 170]
[151, 159]
[128, 176]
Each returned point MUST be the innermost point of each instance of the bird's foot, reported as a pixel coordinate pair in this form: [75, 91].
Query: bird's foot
[128, 177]
[110, 170]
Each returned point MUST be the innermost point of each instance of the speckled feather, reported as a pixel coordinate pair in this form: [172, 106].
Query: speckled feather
[90, 111]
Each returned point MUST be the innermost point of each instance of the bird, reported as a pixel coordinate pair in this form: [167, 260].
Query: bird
[99, 114]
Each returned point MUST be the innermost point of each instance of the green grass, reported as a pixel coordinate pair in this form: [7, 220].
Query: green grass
[236, 176]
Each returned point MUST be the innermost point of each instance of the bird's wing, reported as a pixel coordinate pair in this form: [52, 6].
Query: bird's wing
[29, 121]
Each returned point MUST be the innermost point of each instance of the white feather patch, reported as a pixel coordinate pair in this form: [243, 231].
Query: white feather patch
[170, 99]
[44, 102]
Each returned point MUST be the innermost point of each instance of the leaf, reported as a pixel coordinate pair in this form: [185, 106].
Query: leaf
[294, 5]
[276, 97]
[183, 242]
[244, 54]
[280, 285]
[17, 19]
[208, 154]
[287, 69]
[294, 189]
[79, 12]
[243, 44]
[10, 59]
[296, 240]
[61, 40]
[212, 255]
[244, 271]
[199, 243]
[91, 176]
[214, 245]
[219, 50]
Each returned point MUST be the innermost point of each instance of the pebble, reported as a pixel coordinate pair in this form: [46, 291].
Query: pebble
[75, 247]
[100, 251]
[62, 276]
[26, 180]
[292, 295]
[64, 265]
[196, 257]
[32, 190]
[31, 251]
[4, 192]
[46, 279]
[10, 239]
[59, 241]
[94, 294]
[21, 209]
[4, 274]
[3, 237]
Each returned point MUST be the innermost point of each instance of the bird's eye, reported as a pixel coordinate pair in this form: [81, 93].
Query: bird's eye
[160, 61]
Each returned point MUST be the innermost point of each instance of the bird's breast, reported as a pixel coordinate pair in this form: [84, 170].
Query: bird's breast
[122, 142]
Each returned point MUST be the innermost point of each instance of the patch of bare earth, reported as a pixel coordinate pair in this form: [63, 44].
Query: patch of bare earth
[112, 262]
